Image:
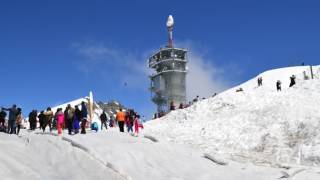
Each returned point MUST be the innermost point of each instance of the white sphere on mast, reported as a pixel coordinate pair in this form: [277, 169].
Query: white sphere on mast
[170, 21]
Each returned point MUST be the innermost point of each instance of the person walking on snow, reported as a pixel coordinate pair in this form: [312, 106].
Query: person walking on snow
[60, 120]
[121, 118]
[104, 119]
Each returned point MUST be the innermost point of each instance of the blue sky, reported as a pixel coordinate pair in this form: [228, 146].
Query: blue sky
[55, 51]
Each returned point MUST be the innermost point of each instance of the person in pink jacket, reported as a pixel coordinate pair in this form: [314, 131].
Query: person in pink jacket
[60, 121]
[137, 125]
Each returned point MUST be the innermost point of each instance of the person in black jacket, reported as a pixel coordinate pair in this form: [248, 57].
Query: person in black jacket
[3, 115]
[84, 114]
[104, 119]
[292, 80]
[41, 118]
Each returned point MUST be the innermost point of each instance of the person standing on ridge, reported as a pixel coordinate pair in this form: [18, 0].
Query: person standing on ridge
[292, 80]
[12, 118]
[278, 85]
[121, 118]
[84, 114]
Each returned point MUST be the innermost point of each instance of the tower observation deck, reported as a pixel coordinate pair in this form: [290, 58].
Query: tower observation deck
[168, 83]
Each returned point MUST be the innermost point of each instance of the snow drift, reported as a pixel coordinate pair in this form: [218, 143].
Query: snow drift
[258, 124]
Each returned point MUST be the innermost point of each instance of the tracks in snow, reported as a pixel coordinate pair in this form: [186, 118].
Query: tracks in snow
[90, 153]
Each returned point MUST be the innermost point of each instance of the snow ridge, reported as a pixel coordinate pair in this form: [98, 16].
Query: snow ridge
[259, 124]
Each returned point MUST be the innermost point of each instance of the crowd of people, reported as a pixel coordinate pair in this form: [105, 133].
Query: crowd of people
[72, 119]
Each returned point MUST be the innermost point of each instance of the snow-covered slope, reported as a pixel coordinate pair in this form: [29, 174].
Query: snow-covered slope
[259, 124]
[119, 156]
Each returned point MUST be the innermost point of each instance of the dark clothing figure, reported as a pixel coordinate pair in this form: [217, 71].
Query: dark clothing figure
[41, 118]
[33, 119]
[278, 85]
[181, 106]
[121, 126]
[3, 115]
[130, 119]
[48, 115]
[104, 119]
[77, 119]
[259, 81]
[84, 114]
[172, 106]
[69, 117]
[13, 112]
[292, 80]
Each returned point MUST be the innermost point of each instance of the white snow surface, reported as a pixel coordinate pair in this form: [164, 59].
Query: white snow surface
[119, 156]
[258, 125]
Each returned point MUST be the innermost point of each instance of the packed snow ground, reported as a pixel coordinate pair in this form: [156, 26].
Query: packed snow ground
[258, 125]
[112, 155]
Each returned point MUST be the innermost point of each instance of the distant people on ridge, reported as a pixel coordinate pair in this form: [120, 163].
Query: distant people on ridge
[278, 85]
[259, 81]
